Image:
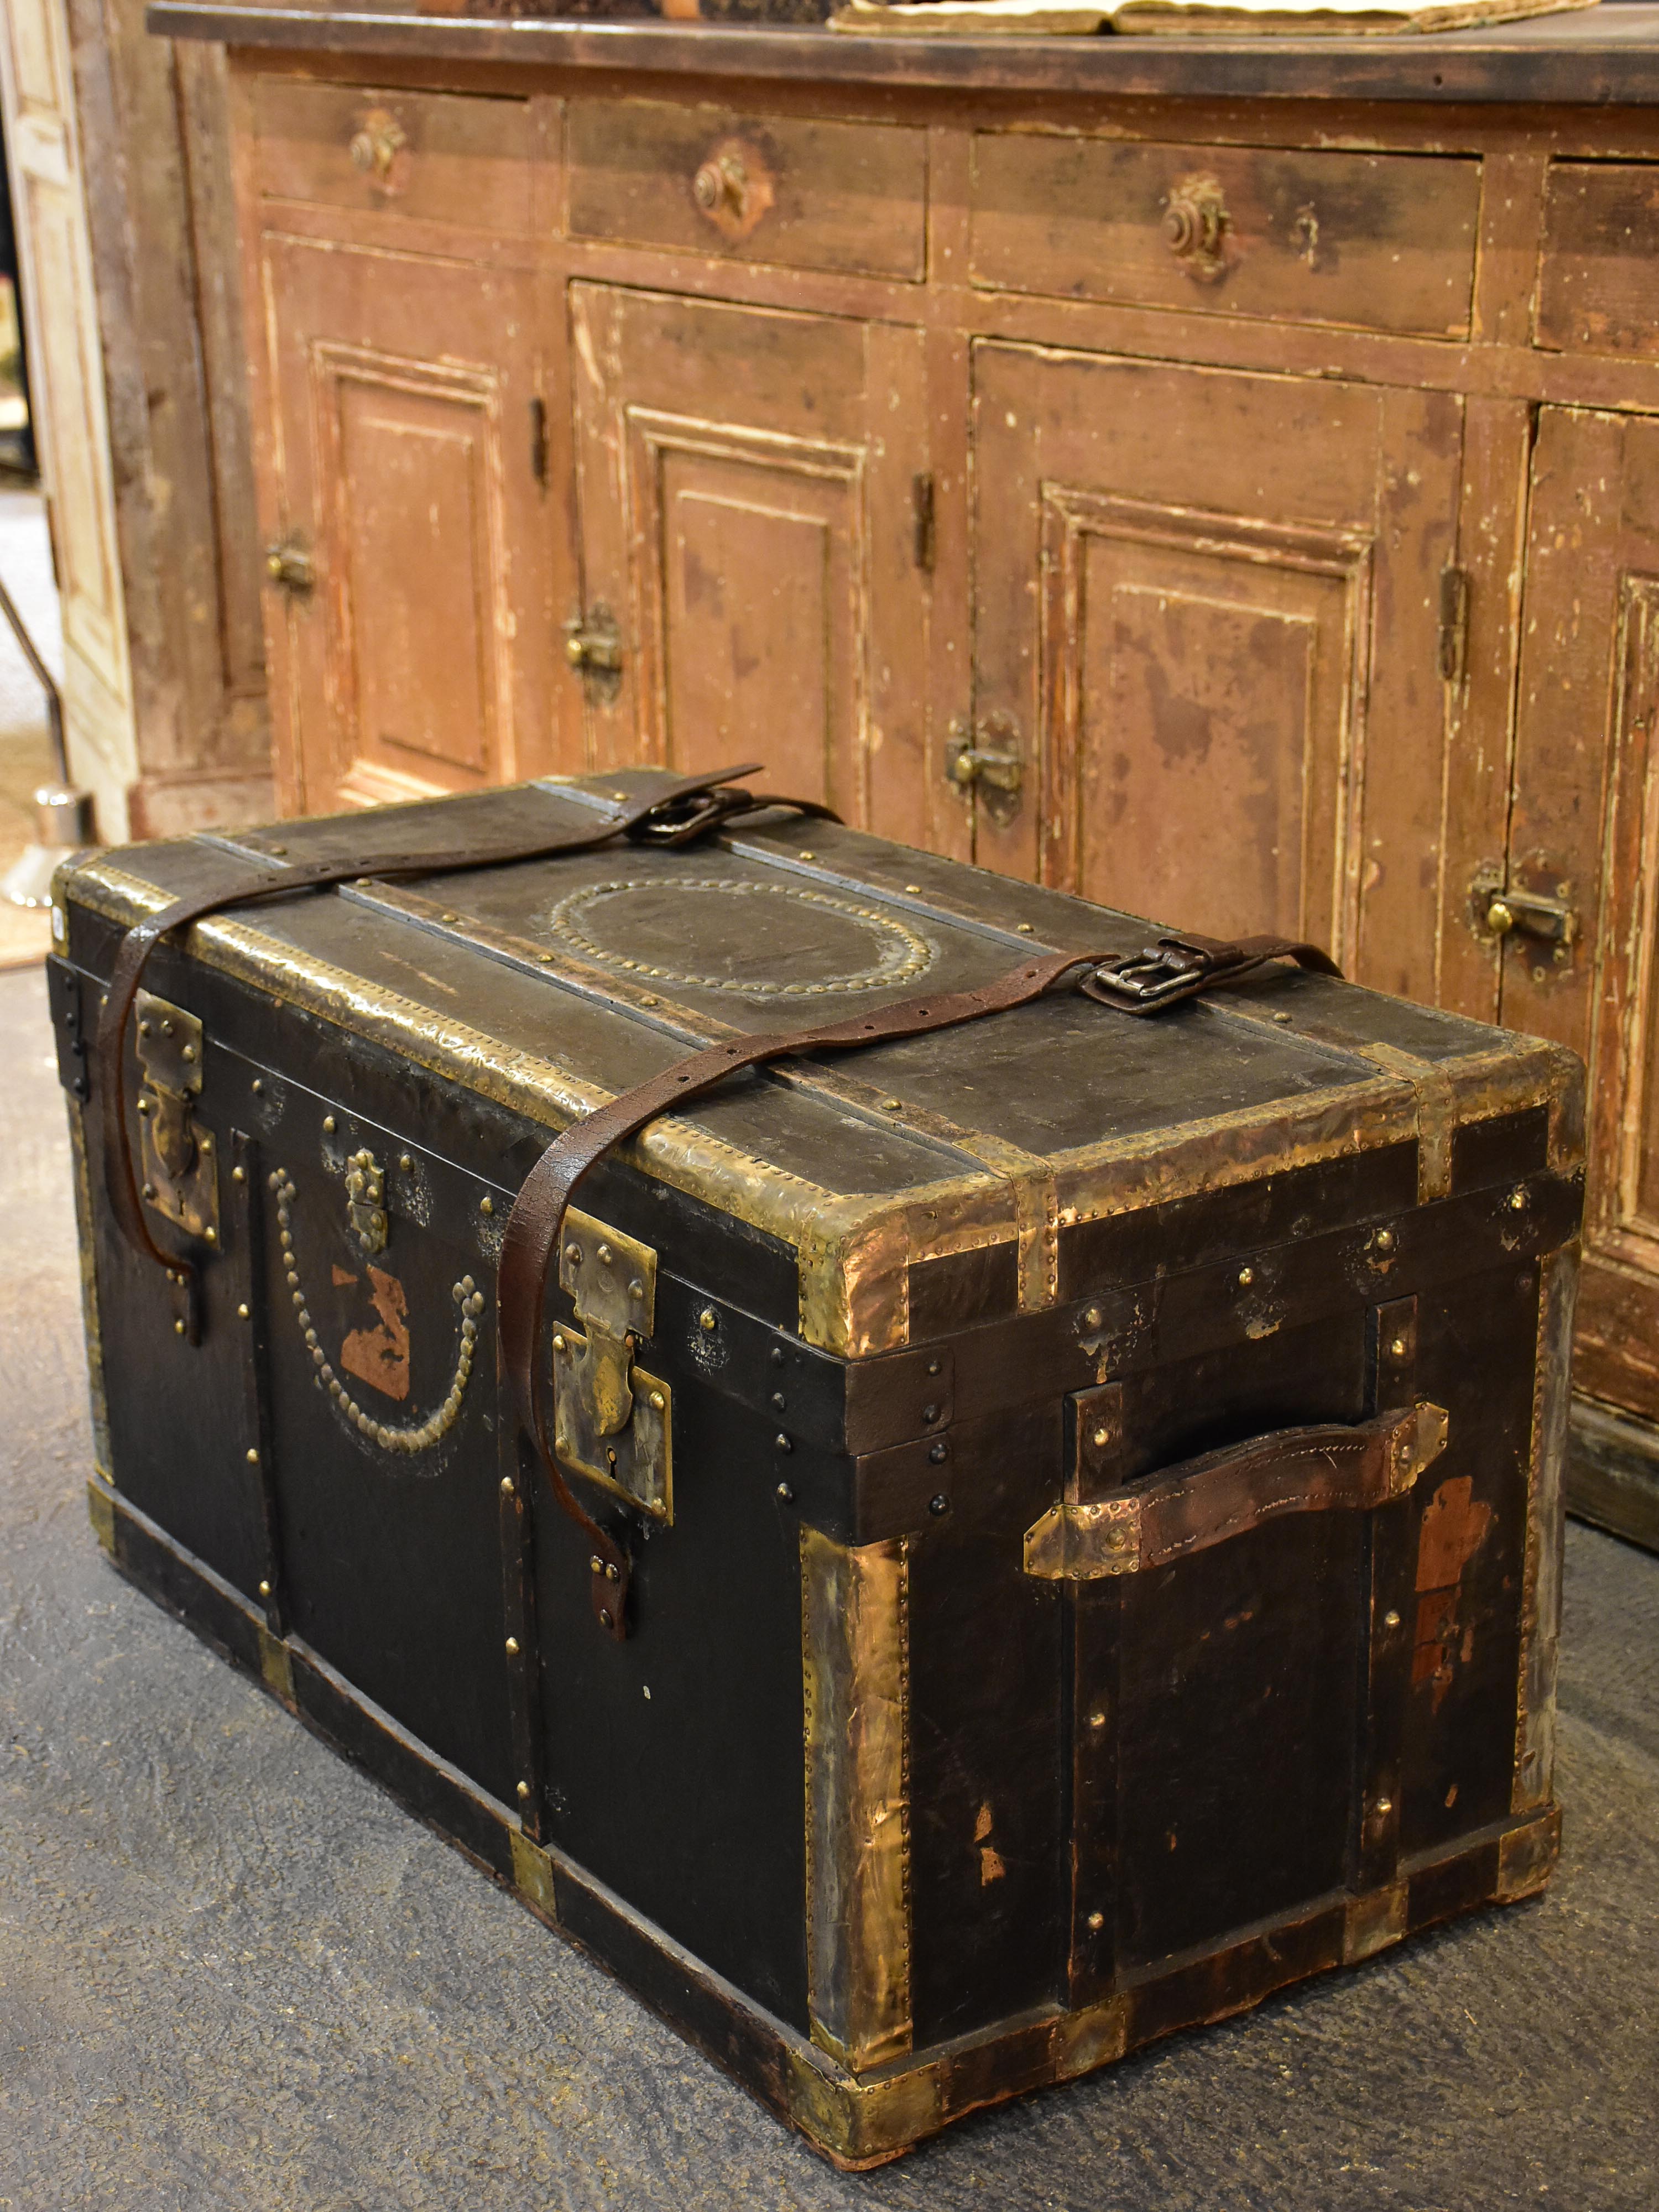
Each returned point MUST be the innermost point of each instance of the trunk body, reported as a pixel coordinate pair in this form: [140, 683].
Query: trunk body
[1093, 1485]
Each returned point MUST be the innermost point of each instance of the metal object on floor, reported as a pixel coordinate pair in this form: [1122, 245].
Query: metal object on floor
[62, 812]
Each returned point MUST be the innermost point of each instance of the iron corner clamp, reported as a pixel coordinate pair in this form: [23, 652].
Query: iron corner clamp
[1173, 968]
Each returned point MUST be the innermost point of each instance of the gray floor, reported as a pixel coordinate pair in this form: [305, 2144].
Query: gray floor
[232, 1974]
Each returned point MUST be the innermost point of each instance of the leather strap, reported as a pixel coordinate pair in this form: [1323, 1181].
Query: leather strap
[1173, 969]
[687, 809]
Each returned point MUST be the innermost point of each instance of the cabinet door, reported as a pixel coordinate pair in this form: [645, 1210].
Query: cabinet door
[1585, 834]
[749, 545]
[414, 659]
[1207, 620]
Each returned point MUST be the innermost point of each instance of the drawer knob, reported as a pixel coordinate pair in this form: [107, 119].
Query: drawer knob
[721, 182]
[377, 144]
[1195, 224]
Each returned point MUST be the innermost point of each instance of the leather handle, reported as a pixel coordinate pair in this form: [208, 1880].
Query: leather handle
[1209, 1500]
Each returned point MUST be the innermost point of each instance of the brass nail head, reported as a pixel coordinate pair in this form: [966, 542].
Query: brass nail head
[256, 1087]
[893, 1105]
[1385, 1239]
[506, 1486]
[785, 1492]
[1391, 1619]
[265, 1589]
[604, 1255]
[177, 1328]
[558, 1342]
[1024, 928]
[406, 1164]
[1384, 1806]
[708, 1320]
[1246, 1277]
[328, 1125]
[524, 1791]
[604, 1616]
[242, 1313]
[1517, 1199]
[809, 856]
[512, 1647]
[1096, 1720]
[597, 1564]
[1102, 1438]
[915, 890]
[659, 1403]
[486, 1205]
[1093, 1317]
[613, 1574]
[239, 1174]
[252, 1457]
[1397, 1349]
[1096, 1920]
[149, 1192]
[209, 1235]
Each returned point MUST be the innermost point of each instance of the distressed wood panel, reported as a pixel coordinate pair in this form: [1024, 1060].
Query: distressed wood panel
[416, 661]
[1595, 286]
[1380, 241]
[1585, 828]
[456, 159]
[1184, 580]
[745, 483]
[811, 195]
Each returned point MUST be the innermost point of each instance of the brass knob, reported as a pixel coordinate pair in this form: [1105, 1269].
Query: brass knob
[721, 182]
[377, 144]
[1500, 917]
[575, 651]
[1195, 224]
[289, 565]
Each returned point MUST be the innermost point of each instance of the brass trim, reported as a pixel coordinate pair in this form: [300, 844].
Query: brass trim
[1541, 1574]
[88, 1257]
[855, 1682]
[100, 1512]
[1526, 1856]
[532, 1874]
[1436, 1113]
[276, 1663]
[1374, 1921]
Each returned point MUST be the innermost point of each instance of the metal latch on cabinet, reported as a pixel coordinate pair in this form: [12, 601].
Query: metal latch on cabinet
[179, 1171]
[592, 643]
[613, 1421]
[1510, 910]
[288, 564]
[986, 762]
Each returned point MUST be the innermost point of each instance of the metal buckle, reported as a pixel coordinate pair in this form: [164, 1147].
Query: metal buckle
[690, 815]
[1155, 976]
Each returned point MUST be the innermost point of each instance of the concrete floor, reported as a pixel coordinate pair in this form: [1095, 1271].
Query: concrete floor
[234, 1975]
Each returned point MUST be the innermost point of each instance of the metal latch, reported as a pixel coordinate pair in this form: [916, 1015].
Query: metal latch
[1512, 910]
[289, 564]
[994, 770]
[592, 643]
[179, 1177]
[613, 1420]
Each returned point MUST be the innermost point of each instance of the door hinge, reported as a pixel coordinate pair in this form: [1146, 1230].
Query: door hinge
[613, 1421]
[1454, 623]
[180, 1178]
[924, 528]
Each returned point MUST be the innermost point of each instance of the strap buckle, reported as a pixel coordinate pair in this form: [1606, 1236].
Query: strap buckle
[689, 815]
[1159, 974]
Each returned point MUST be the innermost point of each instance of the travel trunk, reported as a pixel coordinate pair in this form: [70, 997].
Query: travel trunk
[1092, 1486]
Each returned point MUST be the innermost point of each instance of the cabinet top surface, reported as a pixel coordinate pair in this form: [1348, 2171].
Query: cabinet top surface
[1605, 56]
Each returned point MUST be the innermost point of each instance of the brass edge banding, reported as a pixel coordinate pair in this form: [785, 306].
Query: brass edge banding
[1371, 1924]
[532, 1874]
[100, 1512]
[88, 1270]
[1540, 1586]
[276, 1663]
[855, 1683]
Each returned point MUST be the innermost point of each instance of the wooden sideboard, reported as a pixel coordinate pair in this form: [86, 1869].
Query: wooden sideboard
[1103, 459]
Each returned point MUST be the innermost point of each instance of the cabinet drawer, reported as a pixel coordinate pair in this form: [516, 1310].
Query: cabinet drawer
[449, 159]
[841, 196]
[1379, 242]
[1598, 286]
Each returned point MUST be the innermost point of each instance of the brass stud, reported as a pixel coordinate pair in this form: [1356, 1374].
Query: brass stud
[1391, 1619]
[265, 1589]
[210, 1236]
[605, 1617]
[1246, 1277]
[558, 1342]
[708, 1320]
[1096, 1920]
[149, 1192]
[523, 1792]
[256, 1087]
[486, 1205]
[512, 1647]
[449, 917]
[1384, 1806]
[1093, 1317]
[206, 1142]
[1281, 1017]
[596, 1564]
[143, 1105]
[252, 1457]
[604, 1255]
[407, 1164]
[239, 1174]
[1024, 928]
[573, 1253]
[1096, 1720]
[328, 1125]
[659, 1403]
[893, 1105]
[242, 1313]
[1398, 1349]
[938, 1504]
[177, 1328]
[506, 1486]
[915, 890]
[783, 1443]
[1518, 1200]
[613, 1574]
[808, 856]
[1385, 1239]
[1102, 1437]
[786, 1492]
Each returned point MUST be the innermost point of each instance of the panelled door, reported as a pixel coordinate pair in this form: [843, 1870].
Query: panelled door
[1208, 612]
[411, 546]
[752, 584]
[1578, 919]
